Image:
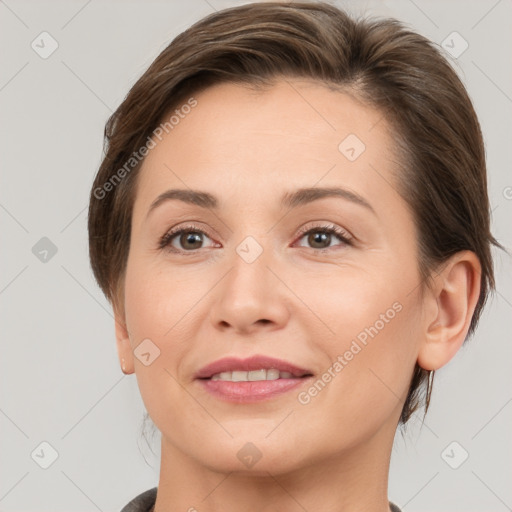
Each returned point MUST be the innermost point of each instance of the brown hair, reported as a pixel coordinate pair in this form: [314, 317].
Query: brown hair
[381, 62]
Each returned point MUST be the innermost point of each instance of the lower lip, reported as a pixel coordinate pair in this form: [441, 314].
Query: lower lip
[252, 391]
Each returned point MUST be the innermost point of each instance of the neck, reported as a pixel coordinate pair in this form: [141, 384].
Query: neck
[355, 480]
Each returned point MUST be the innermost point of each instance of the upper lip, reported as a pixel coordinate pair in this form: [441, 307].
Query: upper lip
[229, 364]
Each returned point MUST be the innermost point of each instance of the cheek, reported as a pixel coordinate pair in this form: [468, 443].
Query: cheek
[156, 310]
[370, 326]
[158, 300]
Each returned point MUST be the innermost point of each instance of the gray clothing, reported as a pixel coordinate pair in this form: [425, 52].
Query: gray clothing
[144, 502]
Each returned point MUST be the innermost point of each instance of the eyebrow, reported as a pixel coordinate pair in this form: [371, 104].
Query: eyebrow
[289, 200]
[304, 196]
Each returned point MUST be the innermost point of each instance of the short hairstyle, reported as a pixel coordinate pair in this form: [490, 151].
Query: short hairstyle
[440, 152]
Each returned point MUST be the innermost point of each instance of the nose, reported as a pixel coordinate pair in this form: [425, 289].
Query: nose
[251, 297]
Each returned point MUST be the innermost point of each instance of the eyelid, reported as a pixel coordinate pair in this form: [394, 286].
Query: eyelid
[345, 236]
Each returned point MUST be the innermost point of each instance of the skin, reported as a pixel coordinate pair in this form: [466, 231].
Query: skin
[295, 301]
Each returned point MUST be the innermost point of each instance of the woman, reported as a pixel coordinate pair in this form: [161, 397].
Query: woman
[291, 222]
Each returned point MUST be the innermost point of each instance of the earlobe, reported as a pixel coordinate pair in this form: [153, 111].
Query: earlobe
[124, 347]
[450, 302]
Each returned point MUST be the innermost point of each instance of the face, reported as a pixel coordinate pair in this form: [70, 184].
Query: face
[302, 251]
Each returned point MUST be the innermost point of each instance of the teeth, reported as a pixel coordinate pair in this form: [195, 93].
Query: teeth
[272, 374]
[238, 376]
[254, 375]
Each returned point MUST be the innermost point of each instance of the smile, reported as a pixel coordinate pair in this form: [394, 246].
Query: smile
[255, 375]
[250, 380]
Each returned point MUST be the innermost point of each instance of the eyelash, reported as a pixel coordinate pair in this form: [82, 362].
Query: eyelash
[166, 239]
[330, 229]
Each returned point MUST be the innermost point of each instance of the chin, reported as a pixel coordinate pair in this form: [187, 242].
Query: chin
[249, 453]
[269, 461]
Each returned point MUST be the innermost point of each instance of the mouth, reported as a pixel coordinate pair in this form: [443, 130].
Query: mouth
[251, 380]
[254, 368]
[254, 375]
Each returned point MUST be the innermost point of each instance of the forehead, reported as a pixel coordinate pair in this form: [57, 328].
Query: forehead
[294, 133]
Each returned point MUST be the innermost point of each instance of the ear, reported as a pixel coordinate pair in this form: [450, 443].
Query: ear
[449, 306]
[124, 347]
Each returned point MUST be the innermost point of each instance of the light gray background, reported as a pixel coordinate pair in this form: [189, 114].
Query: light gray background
[60, 378]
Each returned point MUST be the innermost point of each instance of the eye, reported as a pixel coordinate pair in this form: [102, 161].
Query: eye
[191, 238]
[183, 239]
[320, 237]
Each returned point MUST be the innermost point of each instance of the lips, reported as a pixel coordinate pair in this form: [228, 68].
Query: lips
[253, 380]
[251, 364]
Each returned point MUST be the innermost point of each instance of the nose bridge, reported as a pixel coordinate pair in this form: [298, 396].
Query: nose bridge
[248, 281]
[249, 295]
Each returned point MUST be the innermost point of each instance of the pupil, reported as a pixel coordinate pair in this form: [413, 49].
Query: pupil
[319, 237]
[190, 238]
